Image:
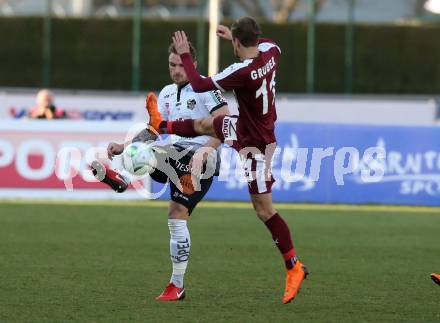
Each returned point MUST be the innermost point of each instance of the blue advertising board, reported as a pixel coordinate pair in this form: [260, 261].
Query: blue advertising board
[335, 163]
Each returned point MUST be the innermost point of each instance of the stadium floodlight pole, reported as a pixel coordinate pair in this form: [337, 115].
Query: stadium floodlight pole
[349, 47]
[311, 44]
[201, 43]
[81, 7]
[136, 46]
[433, 6]
[47, 43]
[214, 15]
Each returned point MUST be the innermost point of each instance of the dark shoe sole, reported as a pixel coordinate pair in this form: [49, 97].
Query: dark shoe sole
[99, 172]
[435, 280]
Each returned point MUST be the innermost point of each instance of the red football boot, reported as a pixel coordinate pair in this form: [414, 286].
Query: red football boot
[171, 293]
[109, 177]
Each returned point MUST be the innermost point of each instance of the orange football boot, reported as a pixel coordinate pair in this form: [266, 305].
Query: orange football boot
[435, 278]
[153, 112]
[294, 279]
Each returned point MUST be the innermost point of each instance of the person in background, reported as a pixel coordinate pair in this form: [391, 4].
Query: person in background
[45, 108]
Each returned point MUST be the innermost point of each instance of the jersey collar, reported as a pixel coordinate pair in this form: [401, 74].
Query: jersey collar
[179, 89]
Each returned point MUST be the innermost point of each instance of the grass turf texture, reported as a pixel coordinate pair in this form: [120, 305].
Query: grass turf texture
[97, 263]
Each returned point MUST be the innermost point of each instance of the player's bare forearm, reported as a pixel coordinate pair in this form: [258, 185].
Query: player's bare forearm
[114, 148]
[143, 136]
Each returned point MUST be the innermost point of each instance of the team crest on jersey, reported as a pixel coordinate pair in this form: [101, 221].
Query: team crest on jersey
[191, 104]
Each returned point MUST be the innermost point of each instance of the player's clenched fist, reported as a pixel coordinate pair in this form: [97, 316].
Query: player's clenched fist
[180, 42]
[224, 32]
[114, 149]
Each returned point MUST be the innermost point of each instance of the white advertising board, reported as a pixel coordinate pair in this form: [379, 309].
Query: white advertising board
[123, 106]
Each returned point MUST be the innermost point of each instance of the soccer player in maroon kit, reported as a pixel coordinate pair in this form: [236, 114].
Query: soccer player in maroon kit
[252, 133]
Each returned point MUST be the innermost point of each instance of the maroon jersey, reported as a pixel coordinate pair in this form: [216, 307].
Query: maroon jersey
[253, 83]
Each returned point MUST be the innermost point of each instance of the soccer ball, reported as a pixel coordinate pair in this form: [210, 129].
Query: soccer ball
[139, 159]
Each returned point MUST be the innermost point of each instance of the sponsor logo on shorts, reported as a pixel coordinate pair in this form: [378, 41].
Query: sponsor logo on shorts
[182, 167]
[225, 127]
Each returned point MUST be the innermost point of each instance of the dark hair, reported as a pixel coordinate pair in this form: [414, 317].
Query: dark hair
[192, 50]
[247, 31]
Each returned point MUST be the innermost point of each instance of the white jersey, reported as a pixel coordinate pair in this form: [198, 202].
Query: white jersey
[181, 102]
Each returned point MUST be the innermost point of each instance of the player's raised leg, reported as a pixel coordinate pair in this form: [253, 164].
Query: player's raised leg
[155, 118]
[184, 128]
[435, 278]
[181, 206]
[296, 272]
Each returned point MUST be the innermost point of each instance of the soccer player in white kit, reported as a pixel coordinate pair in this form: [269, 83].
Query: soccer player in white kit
[177, 101]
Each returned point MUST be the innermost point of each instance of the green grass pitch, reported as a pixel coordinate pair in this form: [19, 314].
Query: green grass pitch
[107, 263]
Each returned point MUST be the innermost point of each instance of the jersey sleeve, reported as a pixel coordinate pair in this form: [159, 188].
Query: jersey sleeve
[164, 111]
[231, 78]
[266, 44]
[199, 83]
[213, 100]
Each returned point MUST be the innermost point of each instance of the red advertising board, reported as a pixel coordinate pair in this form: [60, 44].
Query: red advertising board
[52, 158]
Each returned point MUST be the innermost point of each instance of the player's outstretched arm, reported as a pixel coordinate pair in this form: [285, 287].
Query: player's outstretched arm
[144, 136]
[114, 148]
[198, 83]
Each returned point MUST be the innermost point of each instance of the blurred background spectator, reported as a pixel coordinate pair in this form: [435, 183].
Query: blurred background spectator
[45, 108]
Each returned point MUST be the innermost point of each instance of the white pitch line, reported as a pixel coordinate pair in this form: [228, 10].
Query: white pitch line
[242, 205]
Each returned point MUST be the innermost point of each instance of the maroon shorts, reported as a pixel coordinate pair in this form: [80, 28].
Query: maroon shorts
[257, 166]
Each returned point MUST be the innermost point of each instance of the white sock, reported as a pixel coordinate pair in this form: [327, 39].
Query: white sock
[126, 175]
[180, 243]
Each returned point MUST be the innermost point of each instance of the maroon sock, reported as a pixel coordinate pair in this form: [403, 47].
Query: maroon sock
[184, 128]
[281, 236]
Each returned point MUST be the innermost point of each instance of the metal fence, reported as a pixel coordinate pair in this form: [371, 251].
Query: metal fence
[313, 12]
